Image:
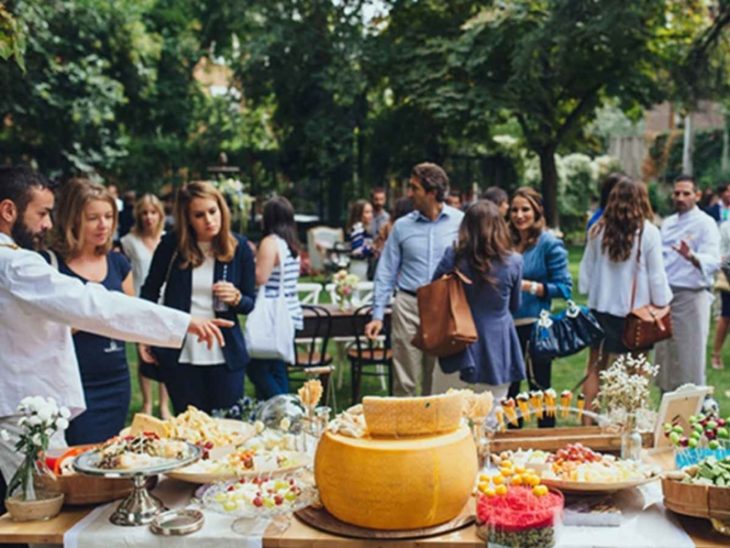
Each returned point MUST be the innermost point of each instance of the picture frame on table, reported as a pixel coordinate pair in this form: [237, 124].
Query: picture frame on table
[678, 405]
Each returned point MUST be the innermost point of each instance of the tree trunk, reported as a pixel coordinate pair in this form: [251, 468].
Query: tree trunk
[725, 159]
[688, 146]
[549, 186]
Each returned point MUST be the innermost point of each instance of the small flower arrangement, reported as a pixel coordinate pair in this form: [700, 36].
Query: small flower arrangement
[624, 393]
[40, 419]
[345, 285]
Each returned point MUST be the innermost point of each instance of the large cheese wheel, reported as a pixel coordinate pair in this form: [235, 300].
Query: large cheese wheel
[420, 416]
[404, 483]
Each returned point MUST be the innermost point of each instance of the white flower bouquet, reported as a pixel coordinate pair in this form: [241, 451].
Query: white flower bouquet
[40, 419]
[624, 393]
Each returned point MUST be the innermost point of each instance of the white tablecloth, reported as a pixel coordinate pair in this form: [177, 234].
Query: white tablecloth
[645, 523]
[96, 531]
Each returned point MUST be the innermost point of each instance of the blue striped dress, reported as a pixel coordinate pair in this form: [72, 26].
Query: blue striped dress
[291, 267]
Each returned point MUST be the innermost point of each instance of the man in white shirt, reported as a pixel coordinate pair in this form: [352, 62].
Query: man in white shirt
[40, 306]
[691, 249]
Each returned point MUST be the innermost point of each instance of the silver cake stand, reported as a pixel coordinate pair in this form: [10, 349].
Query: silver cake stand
[140, 507]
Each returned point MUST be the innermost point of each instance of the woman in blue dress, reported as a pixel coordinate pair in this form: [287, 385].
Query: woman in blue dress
[545, 277]
[86, 221]
[483, 253]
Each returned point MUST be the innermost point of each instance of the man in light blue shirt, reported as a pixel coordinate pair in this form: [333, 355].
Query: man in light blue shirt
[410, 256]
[691, 249]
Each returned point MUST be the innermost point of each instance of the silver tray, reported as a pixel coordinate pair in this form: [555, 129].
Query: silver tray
[88, 463]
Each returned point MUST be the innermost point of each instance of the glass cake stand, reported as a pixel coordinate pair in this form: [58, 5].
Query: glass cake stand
[140, 507]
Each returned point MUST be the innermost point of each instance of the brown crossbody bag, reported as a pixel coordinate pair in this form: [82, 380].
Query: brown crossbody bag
[647, 325]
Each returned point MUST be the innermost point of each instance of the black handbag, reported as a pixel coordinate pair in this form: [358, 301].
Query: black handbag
[565, 333]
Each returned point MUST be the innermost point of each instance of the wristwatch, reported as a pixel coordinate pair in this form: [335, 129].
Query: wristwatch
[534, 286]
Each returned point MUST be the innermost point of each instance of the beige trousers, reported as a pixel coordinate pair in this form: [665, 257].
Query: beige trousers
[410, 365]
[443, 381]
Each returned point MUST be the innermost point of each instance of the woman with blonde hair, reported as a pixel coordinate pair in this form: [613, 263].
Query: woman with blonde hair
[610, 272]
[209, 271]
[85, 224]
[139, 245]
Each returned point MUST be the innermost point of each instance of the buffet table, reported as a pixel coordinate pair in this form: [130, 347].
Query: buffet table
[654, 523]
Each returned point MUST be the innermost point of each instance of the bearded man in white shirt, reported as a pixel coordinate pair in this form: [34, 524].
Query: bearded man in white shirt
[40, 306]
[691, 249]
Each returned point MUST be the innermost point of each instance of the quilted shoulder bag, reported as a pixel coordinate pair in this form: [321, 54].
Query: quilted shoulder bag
[565, 333]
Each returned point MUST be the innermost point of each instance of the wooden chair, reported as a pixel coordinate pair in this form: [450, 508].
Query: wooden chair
[311, 357]
[369, 358]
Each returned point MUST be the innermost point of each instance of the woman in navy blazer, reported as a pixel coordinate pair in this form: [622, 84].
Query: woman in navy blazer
[206, 269]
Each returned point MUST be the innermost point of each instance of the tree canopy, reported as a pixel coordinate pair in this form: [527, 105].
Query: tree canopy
[324, 99]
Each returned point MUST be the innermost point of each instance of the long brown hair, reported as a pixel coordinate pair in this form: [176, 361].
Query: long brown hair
[483, 238]
[534, 198]
[148, 200]
[627, 207]
[223, 245]
[75, 194]
[278, 218]
[356, 211]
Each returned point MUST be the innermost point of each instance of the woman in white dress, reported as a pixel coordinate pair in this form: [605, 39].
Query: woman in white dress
[139, 245]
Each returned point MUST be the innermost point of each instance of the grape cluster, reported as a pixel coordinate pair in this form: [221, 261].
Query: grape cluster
[706, 430]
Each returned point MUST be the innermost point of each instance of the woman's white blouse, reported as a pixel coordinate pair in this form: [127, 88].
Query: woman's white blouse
[608, 283]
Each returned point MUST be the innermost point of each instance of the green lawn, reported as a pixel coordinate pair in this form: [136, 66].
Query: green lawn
[566, 371]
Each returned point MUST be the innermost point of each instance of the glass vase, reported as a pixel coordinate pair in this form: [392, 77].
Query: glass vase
[631, 440]
[481, 442]
[33, 492]
[33, 480]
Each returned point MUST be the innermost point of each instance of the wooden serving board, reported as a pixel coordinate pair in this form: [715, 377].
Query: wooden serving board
[321, 519]
[552, 439]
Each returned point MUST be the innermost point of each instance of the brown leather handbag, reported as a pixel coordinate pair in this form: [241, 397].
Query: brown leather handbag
[647, 325]
[446, 324]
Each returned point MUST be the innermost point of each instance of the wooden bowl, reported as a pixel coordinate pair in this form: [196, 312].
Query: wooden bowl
[701, 501]
[80, 489]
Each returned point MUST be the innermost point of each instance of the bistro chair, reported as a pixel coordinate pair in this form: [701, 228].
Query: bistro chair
[369, 358]
[311, 357]
[363, 295]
